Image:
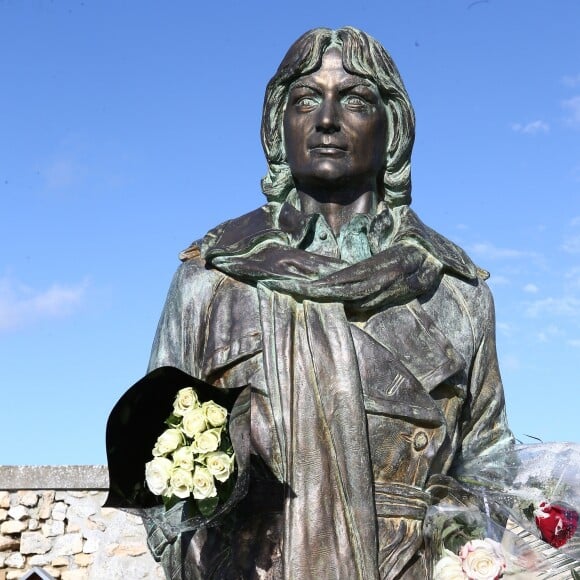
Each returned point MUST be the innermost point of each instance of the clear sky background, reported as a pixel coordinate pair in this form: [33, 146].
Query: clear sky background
[128, 129]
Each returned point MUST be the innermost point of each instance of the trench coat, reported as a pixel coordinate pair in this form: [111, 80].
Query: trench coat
[427, 401]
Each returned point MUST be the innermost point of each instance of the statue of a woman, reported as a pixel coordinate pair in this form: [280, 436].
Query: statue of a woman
[366, 340]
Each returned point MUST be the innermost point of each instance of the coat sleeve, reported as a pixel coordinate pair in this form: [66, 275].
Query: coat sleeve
[181, 330]
[180, 342]
[485, 438]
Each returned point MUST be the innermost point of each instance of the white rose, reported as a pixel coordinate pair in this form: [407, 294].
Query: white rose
[207, 441]
[193, 422]
[448, 568]
[215, 414]
[220, 465]
[186, 399]
[203, 484]
[167, 442]
[157, 473]
[183, 458]
[181, 483]
[482, 559]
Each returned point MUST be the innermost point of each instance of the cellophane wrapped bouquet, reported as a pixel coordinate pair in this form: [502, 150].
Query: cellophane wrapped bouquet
[521, 524]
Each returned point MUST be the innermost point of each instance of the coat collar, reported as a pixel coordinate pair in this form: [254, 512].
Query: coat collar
[284, 221]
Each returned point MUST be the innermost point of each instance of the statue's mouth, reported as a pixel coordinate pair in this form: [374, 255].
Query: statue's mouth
[328, 147]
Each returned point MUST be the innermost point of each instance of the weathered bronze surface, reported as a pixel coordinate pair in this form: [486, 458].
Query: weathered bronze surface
[365, 339]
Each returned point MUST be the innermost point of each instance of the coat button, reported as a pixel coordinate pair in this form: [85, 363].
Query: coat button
[420, 441]
[323, 235]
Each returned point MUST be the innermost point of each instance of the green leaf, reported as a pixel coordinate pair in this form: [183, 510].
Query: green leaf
[173, 421]
[452, 528]
[575, 575]
[529, 511]
[226, 488]
[190, 509]
[207, 506]
[169, 502]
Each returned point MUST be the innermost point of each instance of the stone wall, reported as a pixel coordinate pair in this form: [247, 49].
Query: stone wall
[51, 518]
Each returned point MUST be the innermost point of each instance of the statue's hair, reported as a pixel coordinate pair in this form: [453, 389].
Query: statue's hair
[363, 56]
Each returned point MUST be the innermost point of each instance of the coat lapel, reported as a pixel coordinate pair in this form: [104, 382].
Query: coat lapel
[412, 337]
[389, 388]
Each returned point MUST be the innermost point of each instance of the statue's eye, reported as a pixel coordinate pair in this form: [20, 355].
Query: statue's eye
[355, 102]
[306, 102]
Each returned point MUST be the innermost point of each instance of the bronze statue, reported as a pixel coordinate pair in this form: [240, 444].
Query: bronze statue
[364, 340]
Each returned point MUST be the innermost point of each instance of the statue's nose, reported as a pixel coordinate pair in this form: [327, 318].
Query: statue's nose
[328, 120]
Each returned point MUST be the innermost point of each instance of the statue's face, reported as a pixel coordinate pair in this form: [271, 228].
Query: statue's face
[335, 130]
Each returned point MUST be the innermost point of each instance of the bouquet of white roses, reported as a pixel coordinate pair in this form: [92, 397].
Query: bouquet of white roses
[193, 458]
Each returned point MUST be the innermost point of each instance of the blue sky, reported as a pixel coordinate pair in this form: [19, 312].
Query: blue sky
[128, 129]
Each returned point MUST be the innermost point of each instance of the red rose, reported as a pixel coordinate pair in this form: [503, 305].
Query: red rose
[556, 523]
